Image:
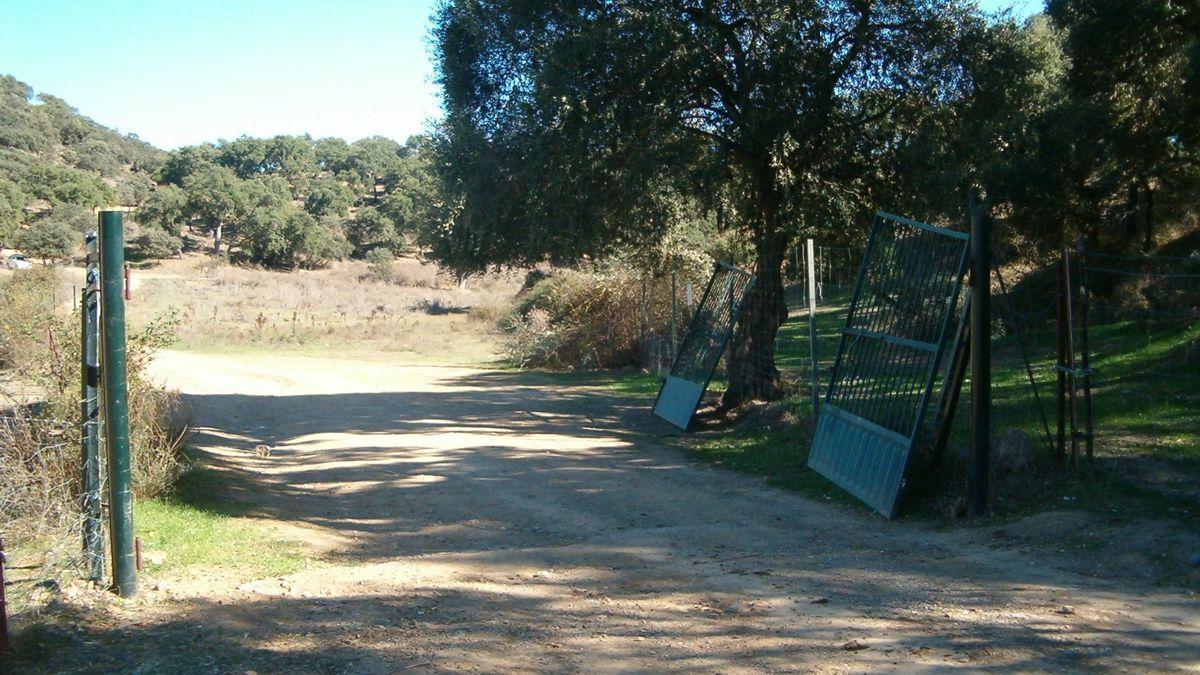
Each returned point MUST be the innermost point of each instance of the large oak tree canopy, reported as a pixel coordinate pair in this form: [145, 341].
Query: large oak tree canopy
[575, 127]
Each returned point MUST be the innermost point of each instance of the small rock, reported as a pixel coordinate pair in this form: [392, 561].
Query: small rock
[1014, 453]
[1065, 610]
[821, 601]
[855, 646]
[957, 508]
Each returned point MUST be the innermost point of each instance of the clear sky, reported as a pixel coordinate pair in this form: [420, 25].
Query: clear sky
[178, 72]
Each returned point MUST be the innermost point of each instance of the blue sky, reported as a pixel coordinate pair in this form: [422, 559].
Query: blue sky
[178, 72]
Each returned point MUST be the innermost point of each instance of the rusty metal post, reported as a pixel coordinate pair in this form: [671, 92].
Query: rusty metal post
[1072, 378]
[981, 359]
[1061, 366]
[1085, 351]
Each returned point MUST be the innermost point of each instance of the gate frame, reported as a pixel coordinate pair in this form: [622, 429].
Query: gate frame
[734, 314]
[935, 364]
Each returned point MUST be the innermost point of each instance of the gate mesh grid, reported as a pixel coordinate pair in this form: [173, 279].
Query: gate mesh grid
[890, 351]
[712, 325]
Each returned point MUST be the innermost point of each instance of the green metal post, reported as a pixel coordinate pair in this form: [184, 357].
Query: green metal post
[116, 405]
[89, 311]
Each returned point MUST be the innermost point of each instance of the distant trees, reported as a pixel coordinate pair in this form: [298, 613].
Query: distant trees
[49, 239]
[216, 199]
[286, 201]
[294, 201]
[56, 167]
[328, 197]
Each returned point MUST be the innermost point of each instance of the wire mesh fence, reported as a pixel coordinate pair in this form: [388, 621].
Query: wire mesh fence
[1136, 334]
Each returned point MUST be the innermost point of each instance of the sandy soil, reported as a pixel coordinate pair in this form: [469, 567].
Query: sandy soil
[475, 521]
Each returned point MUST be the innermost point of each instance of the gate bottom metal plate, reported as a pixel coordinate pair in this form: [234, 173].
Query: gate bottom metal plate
[861, 457]
[678, 400]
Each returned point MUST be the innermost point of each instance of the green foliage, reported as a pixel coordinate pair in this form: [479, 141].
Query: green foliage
[165, 209]
[154, 242]
[381, 264]
[22, 126]
[216, 198]
[327, 197]
[331, 154]
[13, 201]
[371, 228]
[287, 237]
[134, 189]
[371, 159]
[49, 239]
[413, 192]
[185, 162]
[571, 134]
[80, 219]
[64, 185]
[1130, 125]
[94, 154]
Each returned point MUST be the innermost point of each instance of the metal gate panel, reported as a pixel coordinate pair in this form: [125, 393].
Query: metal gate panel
[887, 363]
[700, 352]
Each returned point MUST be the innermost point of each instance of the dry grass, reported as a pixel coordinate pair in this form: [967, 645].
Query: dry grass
[421, 312]
[39, 416]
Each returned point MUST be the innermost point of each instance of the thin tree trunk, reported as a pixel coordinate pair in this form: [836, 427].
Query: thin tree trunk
[1148, 244]
[1131, 213]
[217, 239]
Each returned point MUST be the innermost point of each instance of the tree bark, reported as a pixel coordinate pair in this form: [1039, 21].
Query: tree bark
[752, 371]
[1148, 243]
[217, 239]
[1131, 213]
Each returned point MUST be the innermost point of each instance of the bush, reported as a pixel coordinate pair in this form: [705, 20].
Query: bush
[381, 265]
[49, 240]
[288, 237]
[39, 442]
[153, 242]
[574, 319]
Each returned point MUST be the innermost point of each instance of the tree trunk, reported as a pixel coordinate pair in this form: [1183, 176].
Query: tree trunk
[217, 239]
[1131, 213]
[752, 371]
[1148, 244]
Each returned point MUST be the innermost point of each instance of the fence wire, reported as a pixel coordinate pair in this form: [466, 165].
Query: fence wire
[1138, 317]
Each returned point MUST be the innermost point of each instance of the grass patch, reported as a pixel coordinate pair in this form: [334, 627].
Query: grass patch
[773, 444]
[635, 384]
[194, 527]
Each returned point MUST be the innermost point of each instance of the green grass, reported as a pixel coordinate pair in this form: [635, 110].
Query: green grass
[636, 384]
[1146, 403]
[775, 448]
[194, 527]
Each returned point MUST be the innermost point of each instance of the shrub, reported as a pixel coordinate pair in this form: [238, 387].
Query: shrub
[39, 446]
[153, 242]
[381, 265]
[573, 319]
[49, 240]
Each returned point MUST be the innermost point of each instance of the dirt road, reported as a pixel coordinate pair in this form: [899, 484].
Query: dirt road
[474, 520]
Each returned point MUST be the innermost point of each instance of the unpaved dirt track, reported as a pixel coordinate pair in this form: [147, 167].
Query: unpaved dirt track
[476, 520]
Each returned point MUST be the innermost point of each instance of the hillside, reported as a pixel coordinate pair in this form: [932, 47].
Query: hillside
[55, 160]
[283, 202]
